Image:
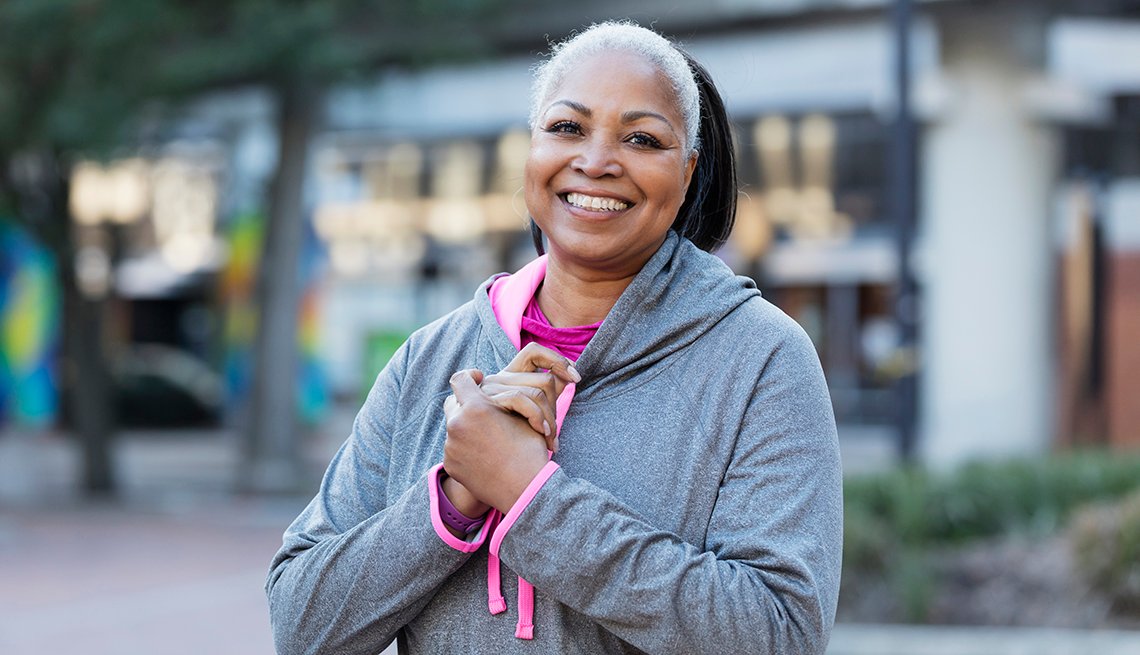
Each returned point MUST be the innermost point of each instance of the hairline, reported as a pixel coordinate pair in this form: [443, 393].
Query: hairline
[612, 36]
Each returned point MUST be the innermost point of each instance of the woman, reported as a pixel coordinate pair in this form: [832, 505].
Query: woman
[692, 503]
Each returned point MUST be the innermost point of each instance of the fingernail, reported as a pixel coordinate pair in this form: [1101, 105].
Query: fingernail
[546, 428]
[574, 373]
[555, 444]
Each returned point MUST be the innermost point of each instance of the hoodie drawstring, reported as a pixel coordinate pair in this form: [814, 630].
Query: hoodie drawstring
[495, 601]
[525, 627]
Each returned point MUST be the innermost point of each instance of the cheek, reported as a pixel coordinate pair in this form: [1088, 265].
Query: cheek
[534, 185]
[538, 167]
[670, 187]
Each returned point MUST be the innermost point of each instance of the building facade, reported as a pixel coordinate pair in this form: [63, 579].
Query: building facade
[1028, 186]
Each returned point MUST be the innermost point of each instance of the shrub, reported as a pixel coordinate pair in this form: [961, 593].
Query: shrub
[915, 507]
[895, 521]
[1106, 546]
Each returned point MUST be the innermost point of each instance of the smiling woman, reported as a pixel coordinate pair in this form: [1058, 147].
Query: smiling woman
[645, 443]
[609, 165]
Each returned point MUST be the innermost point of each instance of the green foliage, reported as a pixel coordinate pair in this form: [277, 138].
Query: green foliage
[894, 521]
[1106, 542]
[76, 75]
[913, 584]
[914, 506]
[73, 72]
[70, 70]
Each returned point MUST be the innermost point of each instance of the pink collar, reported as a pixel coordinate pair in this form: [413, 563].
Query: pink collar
[510, 295]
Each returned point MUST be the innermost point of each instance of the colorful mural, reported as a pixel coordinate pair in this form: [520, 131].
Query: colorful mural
[238, 294]
[29, 330]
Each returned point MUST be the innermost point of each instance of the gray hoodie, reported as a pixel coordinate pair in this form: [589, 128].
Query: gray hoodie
[697, 507]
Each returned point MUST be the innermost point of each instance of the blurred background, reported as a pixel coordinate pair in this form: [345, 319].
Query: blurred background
[219, 219]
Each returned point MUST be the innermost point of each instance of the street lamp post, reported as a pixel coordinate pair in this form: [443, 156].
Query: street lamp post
[903, 176]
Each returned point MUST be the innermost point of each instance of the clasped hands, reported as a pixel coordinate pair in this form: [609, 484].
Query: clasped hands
[500, 427]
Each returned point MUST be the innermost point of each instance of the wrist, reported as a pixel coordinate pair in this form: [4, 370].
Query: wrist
[460, 498]
[514, 483]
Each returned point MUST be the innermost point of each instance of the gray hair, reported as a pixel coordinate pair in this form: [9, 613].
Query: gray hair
[628, 37]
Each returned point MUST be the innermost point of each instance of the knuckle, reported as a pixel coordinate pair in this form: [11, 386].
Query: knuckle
[477, 412]
[453, 424]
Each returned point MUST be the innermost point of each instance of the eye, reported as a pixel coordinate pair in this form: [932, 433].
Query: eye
[565, 127]
[644, 140]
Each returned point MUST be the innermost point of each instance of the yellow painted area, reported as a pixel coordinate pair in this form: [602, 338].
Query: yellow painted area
[25, 328]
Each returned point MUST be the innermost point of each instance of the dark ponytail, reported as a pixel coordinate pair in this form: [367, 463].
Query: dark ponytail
[536, 236]
[709, 210]
[707, 215]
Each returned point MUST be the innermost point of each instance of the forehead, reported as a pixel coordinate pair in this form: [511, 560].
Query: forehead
[622, 79]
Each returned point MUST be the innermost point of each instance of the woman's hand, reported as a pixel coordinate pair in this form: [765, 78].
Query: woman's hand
[530, 386]
[493, 454]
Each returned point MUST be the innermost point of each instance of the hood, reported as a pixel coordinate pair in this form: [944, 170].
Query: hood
[680, 293]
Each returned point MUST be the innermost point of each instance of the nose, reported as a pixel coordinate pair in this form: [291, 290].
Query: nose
[597, 159]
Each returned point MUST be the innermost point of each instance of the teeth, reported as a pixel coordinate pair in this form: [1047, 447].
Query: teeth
[595, 203]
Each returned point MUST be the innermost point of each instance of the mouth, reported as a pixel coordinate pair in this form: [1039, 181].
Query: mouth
[600, 204]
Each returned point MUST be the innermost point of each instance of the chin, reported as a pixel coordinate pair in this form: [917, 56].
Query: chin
[602, 252]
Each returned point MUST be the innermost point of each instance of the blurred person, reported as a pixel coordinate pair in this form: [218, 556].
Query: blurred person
[655, 461]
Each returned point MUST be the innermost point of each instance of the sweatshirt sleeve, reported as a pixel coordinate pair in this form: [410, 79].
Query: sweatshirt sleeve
[767, 578]
[356, 565]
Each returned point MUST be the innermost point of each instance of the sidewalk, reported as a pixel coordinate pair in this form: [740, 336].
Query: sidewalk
[110, 580]
[177, 564]
[944, 640]
[174, 565]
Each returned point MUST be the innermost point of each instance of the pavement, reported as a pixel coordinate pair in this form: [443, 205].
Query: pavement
[176, 562]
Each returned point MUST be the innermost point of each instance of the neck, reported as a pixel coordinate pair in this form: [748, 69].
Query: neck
[571, 298]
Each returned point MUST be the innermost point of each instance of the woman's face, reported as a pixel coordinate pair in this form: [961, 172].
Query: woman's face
[608, 166]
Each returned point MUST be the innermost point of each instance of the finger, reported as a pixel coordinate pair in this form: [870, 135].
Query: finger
[464, 385]
[450, 405]
[520, 402]
[550, 384]
[545, 424]
[547, 428]
[534, 357]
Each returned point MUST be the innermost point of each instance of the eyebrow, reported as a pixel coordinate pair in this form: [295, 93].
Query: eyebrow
[631, 116]
[576, 106]
[626, 117]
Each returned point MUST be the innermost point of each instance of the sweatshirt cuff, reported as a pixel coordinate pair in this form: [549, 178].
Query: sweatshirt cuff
[520, 505]
[462, 545]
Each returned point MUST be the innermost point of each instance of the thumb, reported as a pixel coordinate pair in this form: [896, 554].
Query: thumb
[465, 385]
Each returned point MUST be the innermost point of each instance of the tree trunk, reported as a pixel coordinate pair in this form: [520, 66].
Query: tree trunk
[89, 385]
[86, 380]
[272, 456]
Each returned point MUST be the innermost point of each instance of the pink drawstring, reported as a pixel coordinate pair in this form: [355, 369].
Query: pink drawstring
[525, 627]
[495, 601]
[496, 604]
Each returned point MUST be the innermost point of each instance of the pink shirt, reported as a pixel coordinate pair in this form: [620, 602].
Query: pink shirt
[568, 341]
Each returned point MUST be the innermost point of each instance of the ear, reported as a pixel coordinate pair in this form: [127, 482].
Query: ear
[690, 166]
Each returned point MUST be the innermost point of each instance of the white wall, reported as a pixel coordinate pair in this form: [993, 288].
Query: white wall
[988, 168]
